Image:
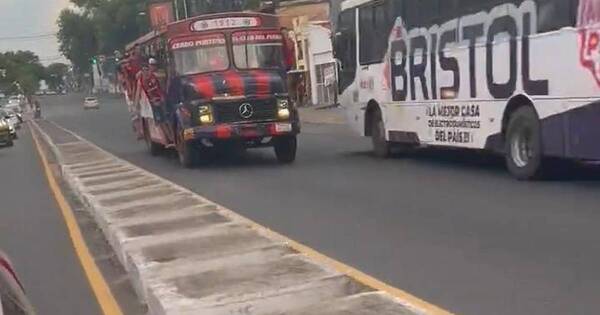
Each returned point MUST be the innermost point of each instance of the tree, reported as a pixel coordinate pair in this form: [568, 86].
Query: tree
[77, 38]
[55, 74]
[99, 27]
[22, 72]
[118, 22]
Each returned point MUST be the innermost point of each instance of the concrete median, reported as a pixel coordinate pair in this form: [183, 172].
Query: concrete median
[188, 255]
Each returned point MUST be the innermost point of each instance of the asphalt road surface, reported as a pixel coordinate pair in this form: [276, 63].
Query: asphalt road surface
[34, 235]
[450, 227]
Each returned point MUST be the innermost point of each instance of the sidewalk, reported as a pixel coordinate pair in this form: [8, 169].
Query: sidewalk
[313, 115]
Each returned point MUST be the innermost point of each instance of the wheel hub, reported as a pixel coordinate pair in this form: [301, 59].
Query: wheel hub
[521, 147]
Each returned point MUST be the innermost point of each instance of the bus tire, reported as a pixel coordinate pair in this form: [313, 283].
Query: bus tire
[524, 154]
[187, 152]
[153, 148]
[381, 147]
[285, 149]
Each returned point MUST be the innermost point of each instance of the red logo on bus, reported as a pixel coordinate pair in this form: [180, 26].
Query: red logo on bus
[588, 22]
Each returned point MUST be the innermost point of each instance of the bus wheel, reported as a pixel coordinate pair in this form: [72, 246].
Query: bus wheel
[285, 149]
[524, 145]
[381, 147]
[153, 147]
[186, 151]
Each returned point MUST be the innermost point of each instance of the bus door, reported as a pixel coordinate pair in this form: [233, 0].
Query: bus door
[346, 54]
[373, 77]
[384, 76]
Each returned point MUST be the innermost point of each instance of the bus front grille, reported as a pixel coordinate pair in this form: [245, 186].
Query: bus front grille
[230, 112]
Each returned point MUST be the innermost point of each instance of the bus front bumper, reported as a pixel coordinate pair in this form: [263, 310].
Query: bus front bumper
[245, 131]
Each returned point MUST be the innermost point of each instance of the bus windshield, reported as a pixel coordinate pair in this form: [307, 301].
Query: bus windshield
[200, 55]
[257, 50]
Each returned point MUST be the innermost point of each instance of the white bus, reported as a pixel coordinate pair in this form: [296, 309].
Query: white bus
[519, 77]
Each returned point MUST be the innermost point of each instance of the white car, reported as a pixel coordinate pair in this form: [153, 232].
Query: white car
[91, 103]
[14, 105]
[15, 109]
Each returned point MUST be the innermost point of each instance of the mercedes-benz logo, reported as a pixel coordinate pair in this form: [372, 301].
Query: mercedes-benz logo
[246, 110]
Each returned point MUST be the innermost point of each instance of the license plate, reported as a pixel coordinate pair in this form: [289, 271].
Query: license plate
[249, 131]
[283, 127]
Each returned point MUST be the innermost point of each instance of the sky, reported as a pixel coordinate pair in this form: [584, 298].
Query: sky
[27, 18]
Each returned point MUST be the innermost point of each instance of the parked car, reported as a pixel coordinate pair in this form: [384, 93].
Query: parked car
[13, 300]
[14, 105]
[15, 99]
[6, 137]
[13, 117]
[12, 120]
[91, 103]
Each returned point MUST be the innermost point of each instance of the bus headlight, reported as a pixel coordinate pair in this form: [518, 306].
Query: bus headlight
[205, 115]
[283, 108]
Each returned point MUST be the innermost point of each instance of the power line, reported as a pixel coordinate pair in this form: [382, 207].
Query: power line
[26, 37]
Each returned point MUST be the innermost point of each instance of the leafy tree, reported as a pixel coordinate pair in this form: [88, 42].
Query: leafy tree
[77, 38]
[99, 27]
[22, 72]
[118, 22]
[55, 74]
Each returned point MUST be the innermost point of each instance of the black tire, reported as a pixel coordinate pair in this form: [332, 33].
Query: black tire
[285, 149]
[381, 147]
[524, 147]
[187, 152]
[10, 143]
[153, 148]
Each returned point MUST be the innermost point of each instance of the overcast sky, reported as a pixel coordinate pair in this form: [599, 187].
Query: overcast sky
[31, 17]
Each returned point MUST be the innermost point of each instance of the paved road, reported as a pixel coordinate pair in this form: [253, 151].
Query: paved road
[452, 228]
[34, 235]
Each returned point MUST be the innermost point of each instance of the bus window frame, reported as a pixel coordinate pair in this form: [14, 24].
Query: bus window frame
[233, 59]
[197, 35]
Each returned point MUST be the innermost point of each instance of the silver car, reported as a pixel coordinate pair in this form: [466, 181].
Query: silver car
[91, 103]
[13, 121]
[13, 116]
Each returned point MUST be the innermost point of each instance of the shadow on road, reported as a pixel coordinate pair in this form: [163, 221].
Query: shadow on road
[261, 158]
[469, 160]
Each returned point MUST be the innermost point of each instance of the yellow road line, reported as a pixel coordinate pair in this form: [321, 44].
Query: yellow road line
[102, 291]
